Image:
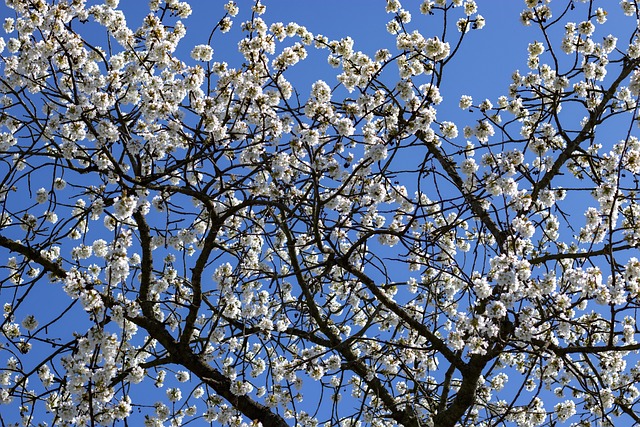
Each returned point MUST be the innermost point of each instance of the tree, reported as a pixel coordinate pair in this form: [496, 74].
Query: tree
[226, 241]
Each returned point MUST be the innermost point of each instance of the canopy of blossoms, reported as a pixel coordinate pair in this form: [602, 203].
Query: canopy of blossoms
[190, 240]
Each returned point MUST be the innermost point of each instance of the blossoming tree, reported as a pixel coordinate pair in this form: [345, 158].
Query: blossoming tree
[190, 240]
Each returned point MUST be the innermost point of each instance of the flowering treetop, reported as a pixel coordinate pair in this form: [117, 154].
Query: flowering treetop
[227, 239]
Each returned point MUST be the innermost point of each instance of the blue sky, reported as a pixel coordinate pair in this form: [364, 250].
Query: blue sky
[486, 60]
[489, 55]
[482, 69]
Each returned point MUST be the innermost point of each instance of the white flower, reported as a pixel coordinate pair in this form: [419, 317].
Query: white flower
[535, 49]
[470, 7]
[174, 394]
[431, 92]
[484, 130]
[183, 9]
[377, 152]
[42, 195]
[609, 43]
[240, 388]
[59, 183]
[392, 6]
[202, 52]
[469, 166]
[316, 372]
[496, 309]
[436, 49]
[9, 25]
[601, 15]
[565, 410]
[124, 207]
[321, 91]
[198, 392]
[30, 323]
[426, 6]
[449, 130]
[345, 127]
[81, 252]
[100, 248]
[231, 8]
[482, 287]
[523, 226]
[485, 105]
[465, 102]
[182, 376]
[586, 27]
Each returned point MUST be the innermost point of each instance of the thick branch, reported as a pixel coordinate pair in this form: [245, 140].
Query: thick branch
[33, 255]
[405, 416]
[211, 376]
[586, 349]
[465, 396]
[196, 279]
[146, 266]
[221, 384]
[438, 343]
[606, 250]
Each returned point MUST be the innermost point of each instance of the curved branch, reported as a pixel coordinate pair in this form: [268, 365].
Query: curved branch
[208, 374]
[34, 255]
[474, 203]
[586, 132]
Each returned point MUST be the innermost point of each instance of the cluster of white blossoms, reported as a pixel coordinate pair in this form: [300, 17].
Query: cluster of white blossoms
[355, 238]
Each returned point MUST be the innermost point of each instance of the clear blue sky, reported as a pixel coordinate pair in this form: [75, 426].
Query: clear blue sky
[487, 58]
